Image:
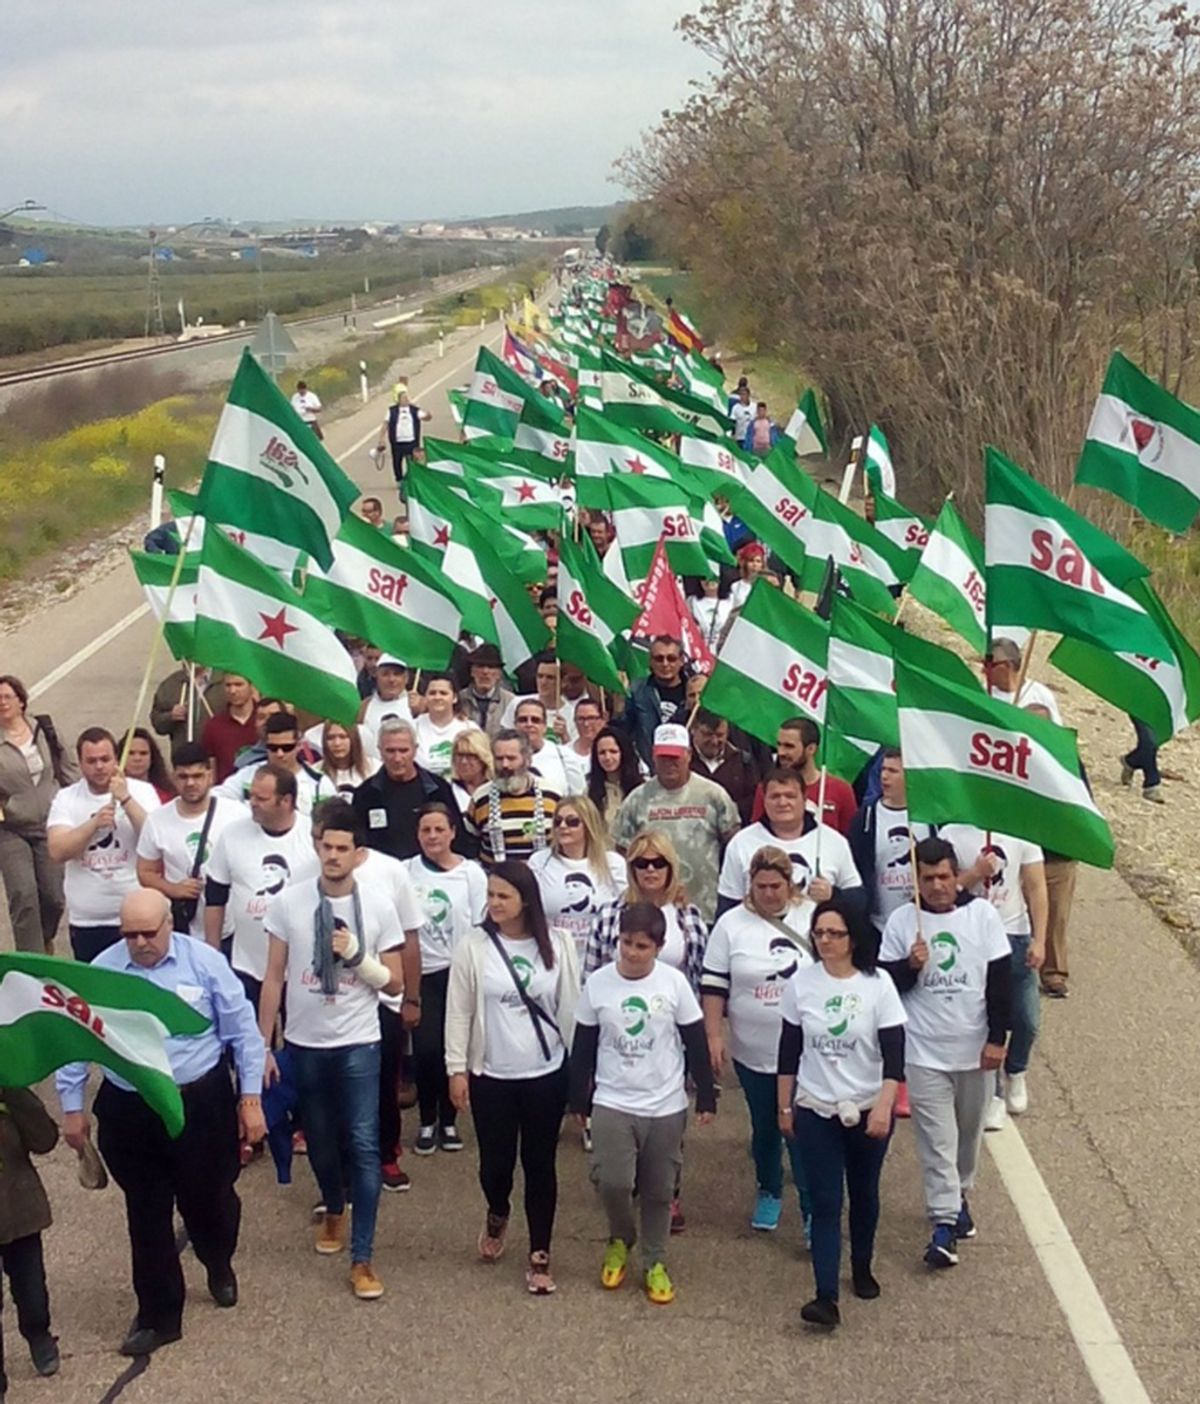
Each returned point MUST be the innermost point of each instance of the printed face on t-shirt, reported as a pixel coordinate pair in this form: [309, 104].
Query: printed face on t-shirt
[275, 874]
[580, 892]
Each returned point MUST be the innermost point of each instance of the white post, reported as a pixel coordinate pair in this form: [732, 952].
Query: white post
[362, 381]
[156, 490]
[441, 343]
[483, 316]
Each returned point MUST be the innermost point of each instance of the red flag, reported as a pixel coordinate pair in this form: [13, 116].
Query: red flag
[665, 611]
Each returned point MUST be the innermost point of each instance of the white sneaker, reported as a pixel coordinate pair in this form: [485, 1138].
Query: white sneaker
[997, 1115]
[1017, 1094]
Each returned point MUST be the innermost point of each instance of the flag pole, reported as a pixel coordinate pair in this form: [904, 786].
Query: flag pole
[1026, 659]
[159, 634]
[189, 694]
[912, 855]
[821, 801]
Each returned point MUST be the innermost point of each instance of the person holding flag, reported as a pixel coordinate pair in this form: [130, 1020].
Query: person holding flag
[196, 1169]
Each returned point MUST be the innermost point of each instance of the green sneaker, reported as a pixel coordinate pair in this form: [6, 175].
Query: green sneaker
[658, 1286]
[616, 1264]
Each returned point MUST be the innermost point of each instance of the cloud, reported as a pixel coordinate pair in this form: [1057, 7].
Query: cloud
[131, 112]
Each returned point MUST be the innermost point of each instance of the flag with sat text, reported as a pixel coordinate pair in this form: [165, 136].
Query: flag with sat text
[54, 1012]
[645, 510]
[248, 621]
[592, 613]
[949, 578]
[1143, 445]
[268, 472]
[969, 759]
[907, 532]
[1049, 568]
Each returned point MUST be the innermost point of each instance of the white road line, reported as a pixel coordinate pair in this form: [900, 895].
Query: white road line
[63, 669]
[90, 650]
[1104, 1354]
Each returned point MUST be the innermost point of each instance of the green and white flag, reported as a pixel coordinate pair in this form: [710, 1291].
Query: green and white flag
[592, 613]
[702, 381]
[719, 465]
[458, 405]
[524, 498]
[772, 666]
[1165, 694]
[155, 573]
[1143, 445]
[1049, 568]
[498, 397]
[249, 622]
[805, 428]
[969, 759]
[907, 532]
[877, 463]
[191, 527]
[268, 472]
[54, 1012]
[386, 594]
[633, 398]
[645, 509]
[543, 438]
[603, 449]
[950, 578]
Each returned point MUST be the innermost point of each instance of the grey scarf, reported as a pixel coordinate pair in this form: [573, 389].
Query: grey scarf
[325, 963]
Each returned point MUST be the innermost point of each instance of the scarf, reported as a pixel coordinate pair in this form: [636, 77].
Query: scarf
[325, 963]
[495, 819]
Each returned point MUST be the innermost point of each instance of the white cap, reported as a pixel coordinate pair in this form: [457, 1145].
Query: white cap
[670, 739]
[387, 661]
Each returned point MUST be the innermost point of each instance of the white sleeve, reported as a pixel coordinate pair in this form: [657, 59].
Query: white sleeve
[997, 937]
[894, 944]
[584, 1012]
[716, 953]
[687, 1006]
[1031, 853]
[618, 870]
[59, 816]
[148, 846]
[217, 867]
[789, 1005]
[476, 892]
[405, 900]
[891, 1006]
[847, 876]
[275, 918]
[732, 882]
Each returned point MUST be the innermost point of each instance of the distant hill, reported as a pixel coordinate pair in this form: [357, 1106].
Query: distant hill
[567, 220]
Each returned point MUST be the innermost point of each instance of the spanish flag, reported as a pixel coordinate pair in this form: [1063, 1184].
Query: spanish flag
[682, 333]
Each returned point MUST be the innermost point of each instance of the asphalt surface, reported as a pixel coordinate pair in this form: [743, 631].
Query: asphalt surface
[1111, 1128]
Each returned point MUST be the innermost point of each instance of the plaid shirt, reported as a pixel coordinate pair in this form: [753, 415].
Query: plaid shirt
[606, 931]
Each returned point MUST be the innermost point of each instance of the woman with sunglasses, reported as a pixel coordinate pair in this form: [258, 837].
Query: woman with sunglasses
[452, 892]
[635, 1022]
[841, 1060]
[753, 951]
[580, 872]
[510, 1014]
[615, 771]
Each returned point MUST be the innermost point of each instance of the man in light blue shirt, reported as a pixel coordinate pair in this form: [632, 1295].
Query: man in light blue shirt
[198, 1170]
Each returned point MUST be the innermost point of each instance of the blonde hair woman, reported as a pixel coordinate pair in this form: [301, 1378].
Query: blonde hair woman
[471, 765]
[653, 867]
[580, 872]
[754, 950]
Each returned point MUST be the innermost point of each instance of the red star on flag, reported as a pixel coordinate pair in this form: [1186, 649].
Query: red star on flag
[276, 627]
[635, 465]
[526, 492]
[441, 536]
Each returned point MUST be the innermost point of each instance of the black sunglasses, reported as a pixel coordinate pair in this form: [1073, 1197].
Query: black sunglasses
[652, 865]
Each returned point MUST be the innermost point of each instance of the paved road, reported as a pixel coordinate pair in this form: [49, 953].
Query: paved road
[1111, 1141]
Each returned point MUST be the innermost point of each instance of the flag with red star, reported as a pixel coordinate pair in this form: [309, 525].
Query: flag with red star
[248, 621]
[604, 449]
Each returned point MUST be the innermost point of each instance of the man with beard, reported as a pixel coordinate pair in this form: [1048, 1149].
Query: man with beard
[512, 814]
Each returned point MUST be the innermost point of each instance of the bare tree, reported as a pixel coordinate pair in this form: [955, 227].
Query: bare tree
[947, 211]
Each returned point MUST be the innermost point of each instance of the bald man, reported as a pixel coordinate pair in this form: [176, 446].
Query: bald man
[197, 1171]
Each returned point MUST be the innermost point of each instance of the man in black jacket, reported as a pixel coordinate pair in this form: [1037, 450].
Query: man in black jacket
[389, 802]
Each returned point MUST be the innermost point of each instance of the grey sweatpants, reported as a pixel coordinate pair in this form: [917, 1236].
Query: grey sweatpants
[948, 1110]
[642, 1150]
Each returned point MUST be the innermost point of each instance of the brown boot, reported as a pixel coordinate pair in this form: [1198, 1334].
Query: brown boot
[331, 1234]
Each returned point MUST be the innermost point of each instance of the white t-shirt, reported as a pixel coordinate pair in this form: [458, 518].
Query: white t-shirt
[311, 786]
[566, 709]
[510, 1044]
[639, 1060]
[1034, 694]
[674, 949]
[947, 1007]
[370, 751]
[1004, 890]
[390, 875]
[758, 960]
[306, 405]
[351, 1016]
[257, 866]
[837, 862]
[841, 1019]
[172, 838]
[560, 769]
[378, 711]
[405, 432]
[739, 593]
[570, 893]
[893, 862]
[711, 616]
[741, 415]
[452, 902]
[435, 744]
[96, 882]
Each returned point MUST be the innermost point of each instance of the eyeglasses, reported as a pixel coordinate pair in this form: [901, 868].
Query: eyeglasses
[649, 865]
[141, 935]
[664, 658]
[830, 933]
[282, 745]
[568, 821]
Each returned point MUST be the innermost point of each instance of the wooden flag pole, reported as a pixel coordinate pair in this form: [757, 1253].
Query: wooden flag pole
[820, 818]
[159, 634]
[189, 696]
[912, 854]
[1026, 658]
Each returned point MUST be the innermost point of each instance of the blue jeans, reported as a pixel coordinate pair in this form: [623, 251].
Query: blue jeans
[766, 1140]
[339, 1104]
[837, 1155]
[1144, 756]
[1026, 1007]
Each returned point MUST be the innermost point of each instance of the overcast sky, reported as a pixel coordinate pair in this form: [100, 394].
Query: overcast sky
[129, 111]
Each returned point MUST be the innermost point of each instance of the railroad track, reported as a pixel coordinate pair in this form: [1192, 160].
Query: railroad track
[167, 348]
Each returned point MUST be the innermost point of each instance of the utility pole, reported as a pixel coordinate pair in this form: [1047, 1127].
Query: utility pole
[260, 294]
[155, 326]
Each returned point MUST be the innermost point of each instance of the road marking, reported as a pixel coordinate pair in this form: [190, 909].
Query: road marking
[64, 669]
[1104, 1354]
[101, 640]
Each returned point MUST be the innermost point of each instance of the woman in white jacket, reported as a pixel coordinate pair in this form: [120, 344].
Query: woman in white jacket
[510, 1016]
